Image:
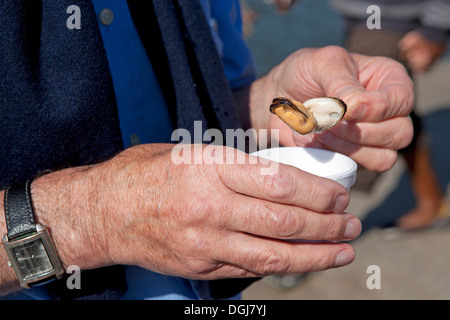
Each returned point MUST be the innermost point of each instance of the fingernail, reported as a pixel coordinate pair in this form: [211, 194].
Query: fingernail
[343, 258]
[353, 229]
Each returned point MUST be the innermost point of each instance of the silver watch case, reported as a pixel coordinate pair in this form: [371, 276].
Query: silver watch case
[33, 257]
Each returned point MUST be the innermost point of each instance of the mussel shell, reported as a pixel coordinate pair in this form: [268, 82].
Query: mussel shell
[343, 104]
[318, 114]
[327, 111]
[281, 101]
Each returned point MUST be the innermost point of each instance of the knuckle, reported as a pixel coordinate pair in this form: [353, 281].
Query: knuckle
[321, 263]
[323, 193]
[333, 51]
[196, 240]
[270, 262]
[195, 211]
[389, 140]
[336, 227]
[282, 222]
[196, 246]
[288, 224]
[279, 186]
[197, 266]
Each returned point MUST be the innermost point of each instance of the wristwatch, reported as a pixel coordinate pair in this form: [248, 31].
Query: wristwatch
[30, 248]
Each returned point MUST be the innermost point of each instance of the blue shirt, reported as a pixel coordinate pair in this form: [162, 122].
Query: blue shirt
[143, 113]
[144, 117]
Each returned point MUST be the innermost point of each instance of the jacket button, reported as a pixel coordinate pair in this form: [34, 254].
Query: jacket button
[106, 17]
[135, 140]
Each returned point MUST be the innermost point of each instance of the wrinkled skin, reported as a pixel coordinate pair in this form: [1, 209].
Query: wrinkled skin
[210, 221]
[378, 92]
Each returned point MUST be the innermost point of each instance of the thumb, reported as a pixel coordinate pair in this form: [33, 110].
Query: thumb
[338, 76]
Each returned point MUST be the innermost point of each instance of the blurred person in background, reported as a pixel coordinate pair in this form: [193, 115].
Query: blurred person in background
[414, 32]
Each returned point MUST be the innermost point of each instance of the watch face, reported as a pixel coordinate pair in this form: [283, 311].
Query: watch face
[32, 259]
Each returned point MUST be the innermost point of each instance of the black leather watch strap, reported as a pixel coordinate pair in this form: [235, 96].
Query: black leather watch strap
[19, 211]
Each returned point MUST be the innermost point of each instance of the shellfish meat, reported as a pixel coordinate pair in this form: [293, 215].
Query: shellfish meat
[314, 115]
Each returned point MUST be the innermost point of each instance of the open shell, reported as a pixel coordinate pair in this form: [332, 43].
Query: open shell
[314, 115]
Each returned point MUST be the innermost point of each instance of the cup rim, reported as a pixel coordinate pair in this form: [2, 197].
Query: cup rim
[347, 173]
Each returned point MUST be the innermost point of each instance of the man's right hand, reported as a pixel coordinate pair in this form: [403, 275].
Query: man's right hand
[198, 221]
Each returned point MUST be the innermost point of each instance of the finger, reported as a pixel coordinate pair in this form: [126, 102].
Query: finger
[337, 79]
[391, 101]
[373, 89]
[262, 256]
[419, 60]
[287, 185]
[395, 133]
[274, 220]
[390, 91]
[409, 40]
[372, 158]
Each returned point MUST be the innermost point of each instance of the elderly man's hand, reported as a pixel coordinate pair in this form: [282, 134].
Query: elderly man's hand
[200, 221]
[378, 92]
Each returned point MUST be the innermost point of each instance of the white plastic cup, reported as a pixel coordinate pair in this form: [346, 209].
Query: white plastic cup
[323, 163]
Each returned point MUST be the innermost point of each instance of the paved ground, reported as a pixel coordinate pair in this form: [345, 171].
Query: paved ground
[413, 265]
